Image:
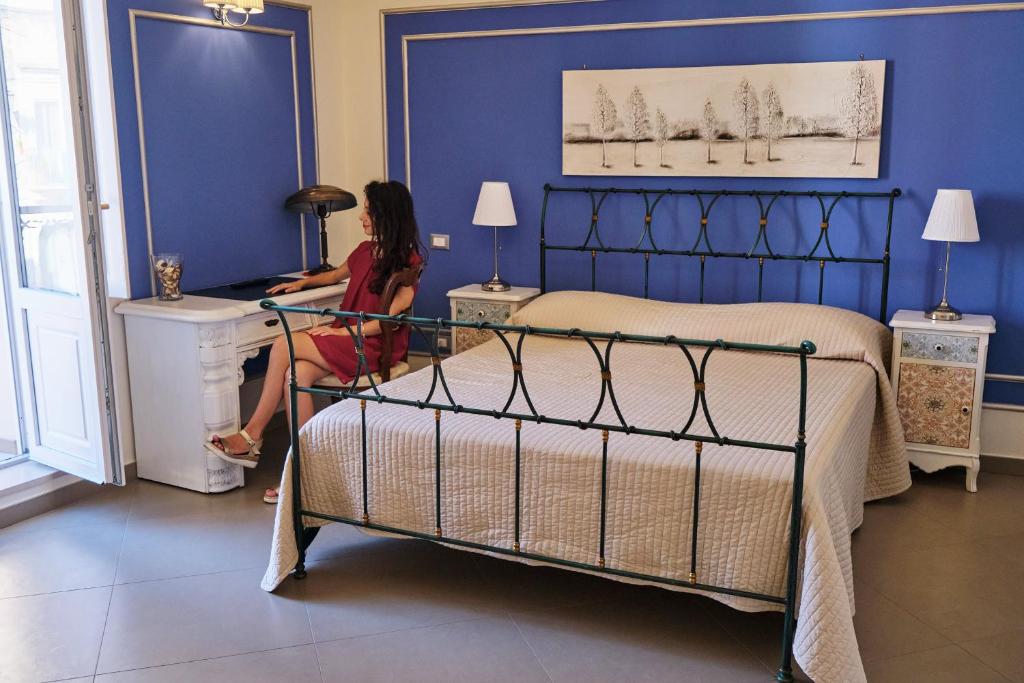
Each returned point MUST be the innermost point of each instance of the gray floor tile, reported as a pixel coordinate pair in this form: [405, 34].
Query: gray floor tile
[406, 584]
[292, 664]
[922, 580]
[667, 638]
[108, 504]
[50, 637]
[201, 543]
[760, 633]
[215, 615]
[340, 540]
[944, 665]
[995, 512]
[896, 524]
[59, 559]
[1004, 653]
[479, 651]
[960, 617]
[885, 630]
[162, 500]
[520, 587]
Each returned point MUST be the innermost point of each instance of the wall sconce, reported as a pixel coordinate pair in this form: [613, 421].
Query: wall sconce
[220, 9]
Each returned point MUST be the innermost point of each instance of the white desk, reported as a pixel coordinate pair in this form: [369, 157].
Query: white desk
[185, 366]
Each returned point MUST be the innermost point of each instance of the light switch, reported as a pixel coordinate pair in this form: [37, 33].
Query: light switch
[439, 241]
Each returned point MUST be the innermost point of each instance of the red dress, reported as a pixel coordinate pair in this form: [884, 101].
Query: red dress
[339, 350]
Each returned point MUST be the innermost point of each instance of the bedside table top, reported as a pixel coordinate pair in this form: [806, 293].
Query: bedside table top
[915, 320]
[514, 295]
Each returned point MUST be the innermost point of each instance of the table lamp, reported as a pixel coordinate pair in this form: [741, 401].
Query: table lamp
[494, 208]
[952, 219]
[321, 201]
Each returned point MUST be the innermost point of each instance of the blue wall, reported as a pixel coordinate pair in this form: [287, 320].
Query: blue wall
[490, 108]
[220, 137]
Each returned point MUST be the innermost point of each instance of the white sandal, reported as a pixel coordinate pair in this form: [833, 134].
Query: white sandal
[248, 459]
[271, 499]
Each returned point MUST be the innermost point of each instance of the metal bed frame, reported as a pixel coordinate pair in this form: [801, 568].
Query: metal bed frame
[439, 398]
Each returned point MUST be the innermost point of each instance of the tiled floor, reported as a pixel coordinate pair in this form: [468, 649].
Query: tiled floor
[151, 583]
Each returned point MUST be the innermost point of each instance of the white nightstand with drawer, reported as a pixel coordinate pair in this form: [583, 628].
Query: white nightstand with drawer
[938, 373]
[472, 304]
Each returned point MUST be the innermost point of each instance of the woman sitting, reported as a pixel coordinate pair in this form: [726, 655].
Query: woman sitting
[394, 245]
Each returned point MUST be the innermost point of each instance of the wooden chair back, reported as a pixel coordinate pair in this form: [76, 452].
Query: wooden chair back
[406, 277]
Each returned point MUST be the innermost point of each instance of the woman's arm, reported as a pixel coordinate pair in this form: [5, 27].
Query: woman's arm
[402, 301]
[330, 277]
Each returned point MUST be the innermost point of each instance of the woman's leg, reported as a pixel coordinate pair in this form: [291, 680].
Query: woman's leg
[306, 375]
[273, 385]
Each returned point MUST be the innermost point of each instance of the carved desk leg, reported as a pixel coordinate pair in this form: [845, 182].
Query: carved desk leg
[220, 400]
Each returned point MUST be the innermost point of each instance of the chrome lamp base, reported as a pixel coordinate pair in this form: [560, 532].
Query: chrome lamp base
[495, 284]
[944, 312]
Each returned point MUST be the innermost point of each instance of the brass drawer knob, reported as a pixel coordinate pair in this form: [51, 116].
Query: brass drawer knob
[481, 314]
[965, 410]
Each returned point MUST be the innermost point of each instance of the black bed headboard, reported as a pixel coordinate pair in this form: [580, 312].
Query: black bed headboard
[706, 200]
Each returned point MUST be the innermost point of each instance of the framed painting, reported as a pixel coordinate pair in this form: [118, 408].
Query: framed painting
[814, 120]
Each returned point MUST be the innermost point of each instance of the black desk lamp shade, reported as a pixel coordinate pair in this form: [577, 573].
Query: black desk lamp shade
[321, 201]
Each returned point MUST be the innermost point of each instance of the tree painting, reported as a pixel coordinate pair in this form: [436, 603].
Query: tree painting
[661, 134]
[775, 123]
[709, 126]
[748, 114]
[604, 119]
[802, 120]
[638, 119]
[859, 107]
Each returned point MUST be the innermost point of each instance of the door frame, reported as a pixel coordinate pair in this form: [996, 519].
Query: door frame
[94, 291]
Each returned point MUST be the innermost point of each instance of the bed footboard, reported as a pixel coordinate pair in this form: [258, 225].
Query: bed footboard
[440, 400]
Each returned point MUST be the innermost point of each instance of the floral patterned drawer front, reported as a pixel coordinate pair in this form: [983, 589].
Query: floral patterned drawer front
[940, 347]
[936, 404]
[478, 311]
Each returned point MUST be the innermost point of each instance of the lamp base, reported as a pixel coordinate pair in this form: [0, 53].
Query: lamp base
[495, 284]
[944, 312]
[322, 268]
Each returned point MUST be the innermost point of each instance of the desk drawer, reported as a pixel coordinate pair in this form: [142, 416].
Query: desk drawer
[939, 347]
[254, 329]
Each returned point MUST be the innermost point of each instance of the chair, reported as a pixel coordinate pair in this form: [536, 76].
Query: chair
[403, 278]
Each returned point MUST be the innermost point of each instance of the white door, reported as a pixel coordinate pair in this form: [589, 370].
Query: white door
[51, 241]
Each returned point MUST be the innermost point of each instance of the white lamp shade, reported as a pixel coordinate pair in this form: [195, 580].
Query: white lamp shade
[494, 206]
[952, 218]
[219, 4]
[250, 6]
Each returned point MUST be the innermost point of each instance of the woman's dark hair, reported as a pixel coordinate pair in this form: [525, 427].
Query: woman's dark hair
[396, 235]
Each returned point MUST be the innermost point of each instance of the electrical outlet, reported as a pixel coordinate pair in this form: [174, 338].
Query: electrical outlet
[443, 342]
[439, 241]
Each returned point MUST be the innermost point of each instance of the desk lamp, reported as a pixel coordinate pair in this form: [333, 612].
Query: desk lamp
[321, 201]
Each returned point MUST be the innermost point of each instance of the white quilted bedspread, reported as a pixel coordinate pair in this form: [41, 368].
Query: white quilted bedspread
[855, 453]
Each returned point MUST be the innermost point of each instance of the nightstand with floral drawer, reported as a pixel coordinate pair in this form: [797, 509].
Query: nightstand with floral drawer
[938, 373]
[472, 304]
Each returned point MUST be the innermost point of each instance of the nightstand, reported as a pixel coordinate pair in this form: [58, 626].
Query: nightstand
[938, 372]
[472, 304]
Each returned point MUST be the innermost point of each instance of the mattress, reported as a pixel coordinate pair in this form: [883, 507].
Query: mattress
[855, 453]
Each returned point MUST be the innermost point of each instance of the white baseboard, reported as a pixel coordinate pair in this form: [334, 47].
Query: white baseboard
[1002, 431]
